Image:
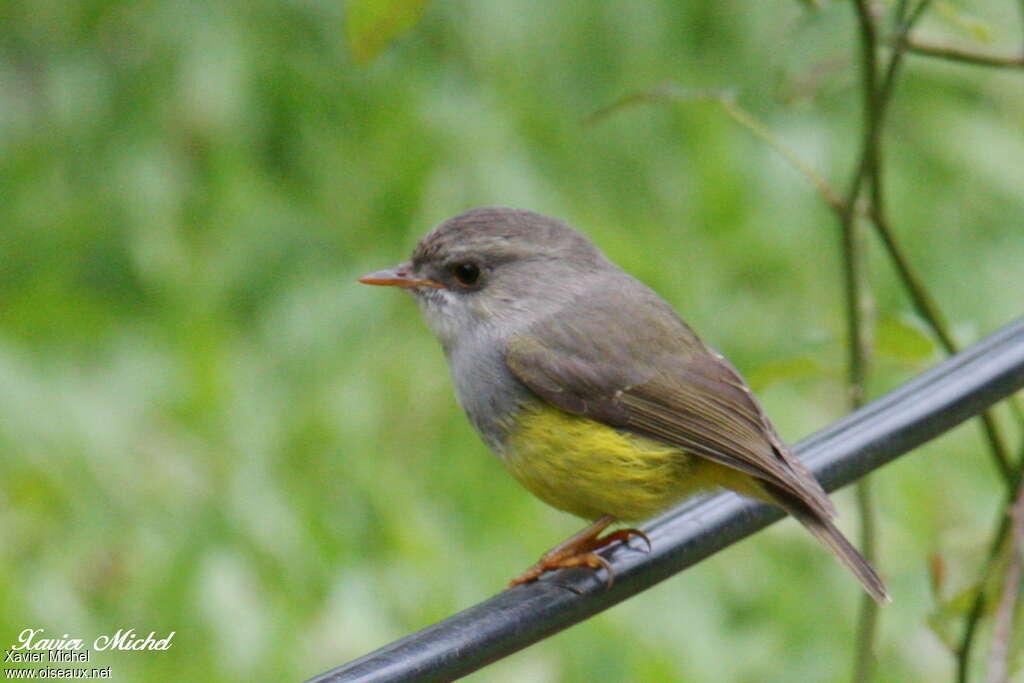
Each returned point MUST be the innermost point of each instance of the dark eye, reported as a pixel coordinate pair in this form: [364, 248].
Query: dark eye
[466, 273]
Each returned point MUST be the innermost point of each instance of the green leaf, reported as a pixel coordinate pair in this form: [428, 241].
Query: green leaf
[784, 370]
[902, 340]
[964, 22]
[372, 25]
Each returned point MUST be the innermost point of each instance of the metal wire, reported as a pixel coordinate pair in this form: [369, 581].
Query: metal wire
[881, 431]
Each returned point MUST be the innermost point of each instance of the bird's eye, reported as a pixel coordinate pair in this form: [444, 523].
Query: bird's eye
[466, 273]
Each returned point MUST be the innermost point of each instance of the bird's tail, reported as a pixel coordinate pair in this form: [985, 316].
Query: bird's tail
[832, 538]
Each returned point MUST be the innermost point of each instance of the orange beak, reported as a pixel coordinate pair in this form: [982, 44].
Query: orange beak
[397, 277]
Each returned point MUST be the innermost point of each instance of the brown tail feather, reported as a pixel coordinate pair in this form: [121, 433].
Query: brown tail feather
[833, 539]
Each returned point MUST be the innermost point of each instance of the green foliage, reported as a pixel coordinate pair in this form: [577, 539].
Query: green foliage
[905, 341]
[372, 25]
[207, 426]
[963, 21]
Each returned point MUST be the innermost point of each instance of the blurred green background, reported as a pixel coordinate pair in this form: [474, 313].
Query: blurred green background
[208, 427]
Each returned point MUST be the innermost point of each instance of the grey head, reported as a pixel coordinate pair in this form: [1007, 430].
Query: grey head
[492, 275]
[490, 271]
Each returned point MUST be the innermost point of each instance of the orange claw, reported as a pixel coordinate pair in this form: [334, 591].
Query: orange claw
[624, 535]
[579, 551]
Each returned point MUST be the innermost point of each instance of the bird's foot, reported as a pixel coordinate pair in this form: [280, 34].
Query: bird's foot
[581, 551]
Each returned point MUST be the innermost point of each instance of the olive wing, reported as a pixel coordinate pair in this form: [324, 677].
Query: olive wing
[664, 384]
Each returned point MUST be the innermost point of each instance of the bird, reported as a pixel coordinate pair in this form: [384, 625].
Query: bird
[592, 391]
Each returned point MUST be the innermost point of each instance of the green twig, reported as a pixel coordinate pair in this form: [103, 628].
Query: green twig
[925, 307]
[999, 658]
[758, 128]
[867, 618]
[977, 609]
[727, 100]
[919, 296]
[965, 56]
[870, 168]
[867, 622]
[978, 604]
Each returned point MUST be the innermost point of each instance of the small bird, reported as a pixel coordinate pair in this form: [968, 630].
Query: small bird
[590, 389]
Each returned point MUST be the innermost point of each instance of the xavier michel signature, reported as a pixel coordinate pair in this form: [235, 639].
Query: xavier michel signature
[32, 646]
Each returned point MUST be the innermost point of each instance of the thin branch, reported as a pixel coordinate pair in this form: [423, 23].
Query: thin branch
[978, 604]
[665, 92]
[998, 667]
[867, 622]
[928, 310]
[964, 56]
[727, 100]
[867, 617]
[925, 307]
[919, 296]
[758, 128]
[920, 299]
[870, 168]
[869, 76]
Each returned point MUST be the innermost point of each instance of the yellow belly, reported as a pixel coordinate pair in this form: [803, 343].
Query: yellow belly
[591, 470]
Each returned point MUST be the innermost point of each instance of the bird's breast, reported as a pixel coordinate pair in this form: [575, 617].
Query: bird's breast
[590, 469]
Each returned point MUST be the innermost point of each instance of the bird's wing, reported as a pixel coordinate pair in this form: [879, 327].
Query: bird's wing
[655, 378]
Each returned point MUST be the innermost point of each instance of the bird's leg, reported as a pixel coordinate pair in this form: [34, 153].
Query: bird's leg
[580, 550]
